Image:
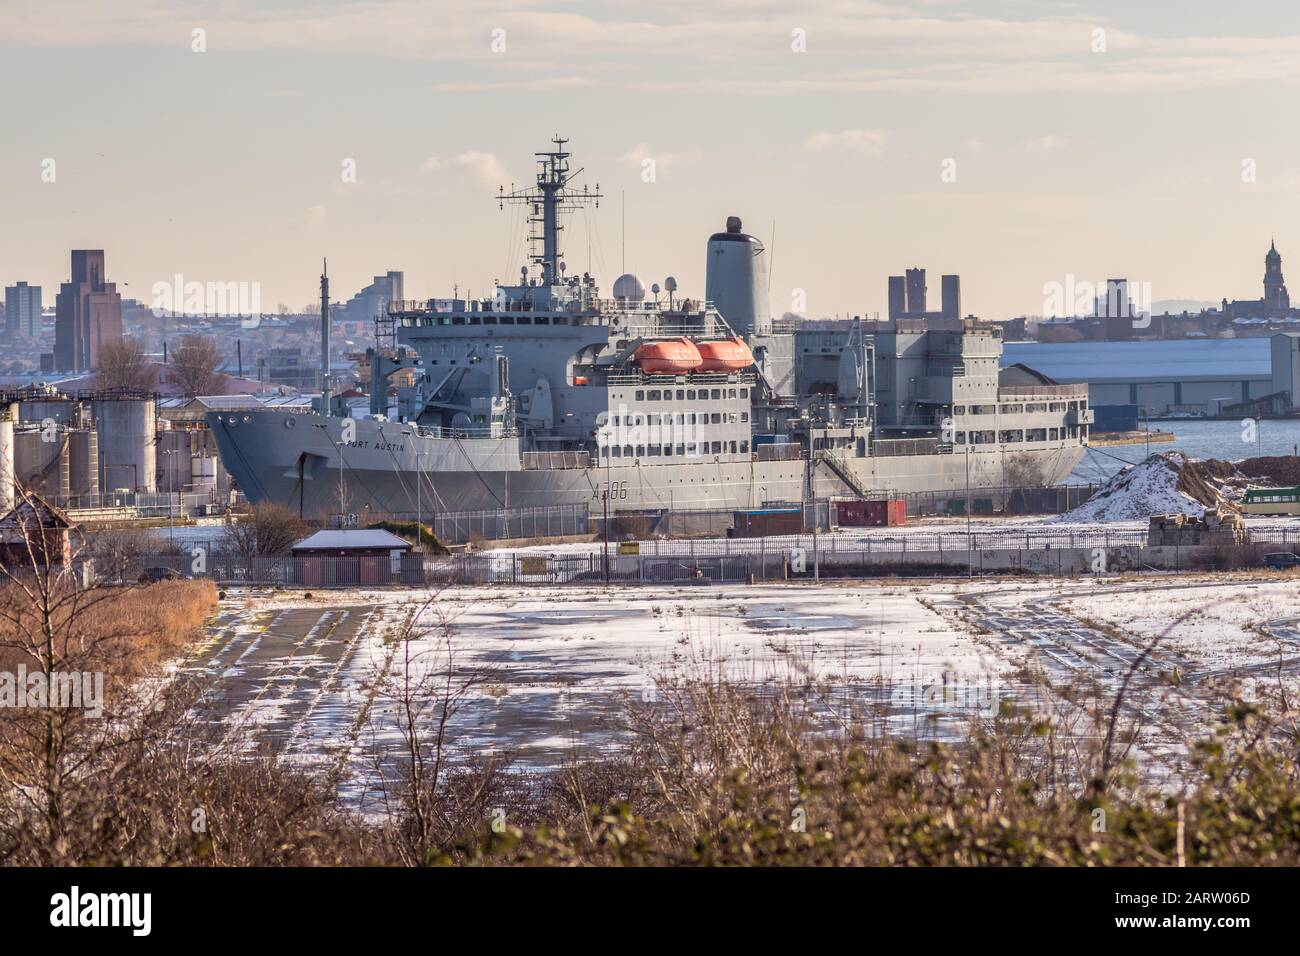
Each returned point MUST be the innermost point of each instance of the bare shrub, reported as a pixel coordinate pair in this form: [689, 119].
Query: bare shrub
[269, 529]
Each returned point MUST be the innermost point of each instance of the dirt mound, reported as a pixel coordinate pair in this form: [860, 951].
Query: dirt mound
[1277, 472]
[1169, 483]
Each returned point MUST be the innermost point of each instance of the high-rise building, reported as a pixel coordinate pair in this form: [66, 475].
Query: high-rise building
[950, 297]
[22, 311]
[897, 297]
[916, 292]
[88, 313]
[907, 296]
[374, 298]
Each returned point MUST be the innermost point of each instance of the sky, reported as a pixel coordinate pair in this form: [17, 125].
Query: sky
[1019, 143]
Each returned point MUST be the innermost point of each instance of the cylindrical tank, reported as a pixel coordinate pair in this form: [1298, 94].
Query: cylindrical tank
[42, 461]
[724, 355]
[128, 455]
[6, 466]
[673, 357]
[204, 472]
[736, 280]
[174, 451]
[37, 410]
[84, 462]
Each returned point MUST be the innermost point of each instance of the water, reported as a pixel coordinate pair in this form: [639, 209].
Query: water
[1227, 440]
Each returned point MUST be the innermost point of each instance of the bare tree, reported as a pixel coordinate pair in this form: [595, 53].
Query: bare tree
[269, 529]
[123, 365]
[194, 363]
[431, 804]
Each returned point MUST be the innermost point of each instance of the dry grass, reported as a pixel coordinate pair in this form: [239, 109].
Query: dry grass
[132, 628]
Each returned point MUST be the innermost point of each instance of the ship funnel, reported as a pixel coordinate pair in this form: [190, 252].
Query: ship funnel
[736, 280]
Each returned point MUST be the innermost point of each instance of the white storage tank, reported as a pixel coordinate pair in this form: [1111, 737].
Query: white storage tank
[174, 451]
[84, 462]
[736, 280]
[128, 451]
[204, 474]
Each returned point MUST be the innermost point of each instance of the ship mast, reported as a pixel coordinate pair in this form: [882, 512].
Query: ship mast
[548, 198]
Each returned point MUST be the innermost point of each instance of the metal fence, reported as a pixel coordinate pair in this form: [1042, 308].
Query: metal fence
[151, 504]
[555, 521]
[699, 562]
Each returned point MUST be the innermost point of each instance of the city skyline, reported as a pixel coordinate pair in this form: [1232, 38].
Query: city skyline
[987, 140]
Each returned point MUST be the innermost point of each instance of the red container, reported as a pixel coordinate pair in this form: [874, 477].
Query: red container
[850, 514]
[897, 512]
[877, 513]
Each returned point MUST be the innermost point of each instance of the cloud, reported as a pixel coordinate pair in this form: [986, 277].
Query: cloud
[484, 167]
[431, 165]
[728, 45]
[869, 142]
[315, 216]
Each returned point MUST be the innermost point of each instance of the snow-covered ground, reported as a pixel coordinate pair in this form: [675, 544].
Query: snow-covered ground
[554, 669]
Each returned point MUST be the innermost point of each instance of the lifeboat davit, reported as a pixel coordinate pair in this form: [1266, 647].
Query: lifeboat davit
[673, 357]
[724, 355]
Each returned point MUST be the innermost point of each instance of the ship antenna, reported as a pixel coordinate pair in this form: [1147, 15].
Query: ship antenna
[549, 197]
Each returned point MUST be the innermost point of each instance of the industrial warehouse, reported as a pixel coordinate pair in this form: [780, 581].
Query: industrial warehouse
[1176, 378]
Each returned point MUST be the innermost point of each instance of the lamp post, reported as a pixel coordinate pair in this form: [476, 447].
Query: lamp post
[970, 558]
[171, 490]
[342, 514]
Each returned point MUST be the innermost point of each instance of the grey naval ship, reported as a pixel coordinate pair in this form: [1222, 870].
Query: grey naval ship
[547, 393]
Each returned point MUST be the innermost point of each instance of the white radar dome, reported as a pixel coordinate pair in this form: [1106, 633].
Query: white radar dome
[628, 286]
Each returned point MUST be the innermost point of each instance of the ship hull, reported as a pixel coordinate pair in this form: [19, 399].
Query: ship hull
[304, 463]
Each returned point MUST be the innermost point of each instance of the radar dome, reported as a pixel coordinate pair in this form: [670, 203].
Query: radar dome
[670, 284]
[628, 286]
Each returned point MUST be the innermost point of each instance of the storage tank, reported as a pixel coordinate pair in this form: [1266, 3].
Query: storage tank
[6, 466]
[736, 280]
[673, 357]
[83, 466]
[175, 447]
[204, 474]
[41, 464]
[37, 410]
[128, 455]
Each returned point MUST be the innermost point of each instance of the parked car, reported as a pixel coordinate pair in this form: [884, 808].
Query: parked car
[1281, 560]
[152, 575]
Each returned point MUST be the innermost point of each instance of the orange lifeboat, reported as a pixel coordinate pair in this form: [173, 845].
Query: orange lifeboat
[725, 355]
[673, 357]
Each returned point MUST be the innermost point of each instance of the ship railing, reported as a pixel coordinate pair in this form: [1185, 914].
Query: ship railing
[632, 306]
[1057, 391]
[690, 378]
[477, 431]
[671, 330]
[896, 447]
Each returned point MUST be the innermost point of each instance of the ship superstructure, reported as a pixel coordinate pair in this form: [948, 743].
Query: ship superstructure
[547, 393]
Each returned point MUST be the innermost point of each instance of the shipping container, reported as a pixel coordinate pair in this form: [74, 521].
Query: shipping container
[765, 523]
[883, 513]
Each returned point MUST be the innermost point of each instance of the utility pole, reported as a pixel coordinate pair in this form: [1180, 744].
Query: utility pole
[970, 557]
[605, 525]
[342, 513]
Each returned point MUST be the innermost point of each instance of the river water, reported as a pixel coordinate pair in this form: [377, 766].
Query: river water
[1228, 440]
